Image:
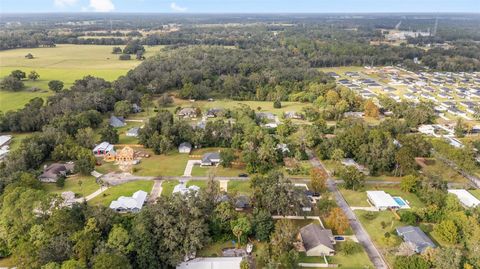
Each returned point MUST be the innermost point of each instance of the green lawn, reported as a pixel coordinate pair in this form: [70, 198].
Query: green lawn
[354, 198]
[239, 186]
[437, 167]
[171, 164]
[17, 139]
[167, 187]
[199, 183]
[214, 249]
[64, 62]
[354, 261]
[475, 193]
[88, 185]
[217, 171]
[375, 229]
[126, 189]
[123, 138]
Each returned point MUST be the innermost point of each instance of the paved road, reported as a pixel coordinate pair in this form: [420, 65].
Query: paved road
[362, 236]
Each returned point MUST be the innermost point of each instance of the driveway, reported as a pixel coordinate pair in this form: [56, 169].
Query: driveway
[156, 191]
[189, 167]
[362, 236]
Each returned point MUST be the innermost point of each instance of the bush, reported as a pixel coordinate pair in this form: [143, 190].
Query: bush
[60, 182]
[410, 262]
[277, 104]
[409, 217]
[369, 215]
[349, 247]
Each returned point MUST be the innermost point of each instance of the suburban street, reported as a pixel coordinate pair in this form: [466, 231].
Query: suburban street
[363, 238]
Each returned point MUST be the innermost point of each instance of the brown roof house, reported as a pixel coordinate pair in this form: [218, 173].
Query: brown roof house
[317, 241]
[54, 171]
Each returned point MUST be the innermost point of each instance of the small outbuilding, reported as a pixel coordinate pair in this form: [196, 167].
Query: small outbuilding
[185, 147]
[133, 132]
[317, 241]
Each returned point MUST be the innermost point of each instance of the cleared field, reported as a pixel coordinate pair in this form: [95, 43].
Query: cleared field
[64, 62]
[82, 185]
[126, 189]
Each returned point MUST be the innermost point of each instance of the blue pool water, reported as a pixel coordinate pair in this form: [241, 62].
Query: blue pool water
[399, 201]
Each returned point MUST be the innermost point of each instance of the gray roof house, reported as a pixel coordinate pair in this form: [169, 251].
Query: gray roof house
[103, 148]
[54, 171]
[214, 112]
[187, 112]
[242, 202]
[130, 204]
[117, 121]
[133, 131]
[210, 158]
[185, 147]
[415, 237]
[317, 241]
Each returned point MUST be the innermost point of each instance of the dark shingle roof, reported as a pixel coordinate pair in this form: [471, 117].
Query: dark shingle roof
[313, 235]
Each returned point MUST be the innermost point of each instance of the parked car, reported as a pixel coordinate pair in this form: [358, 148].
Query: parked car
[242, 175]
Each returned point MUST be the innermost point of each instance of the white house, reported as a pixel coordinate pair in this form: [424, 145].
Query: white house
[381, 200]
[466, 198]
[130, 204]
[212, 263]
[5, 140]
[183, 189]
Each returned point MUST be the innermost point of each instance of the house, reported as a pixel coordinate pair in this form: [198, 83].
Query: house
[133, 132]
[4, 150]
[210, 159]
[54, 171]
[242, 202]
[415, 238]
[116, 121]
[465, 197]
[383, 201]
[187, 112]
[265, 115]
[103, 149]
[212, 263]
[354, 114]
[185, 147]
[68, 198]
[183, 189]
[333, 74]
[352, 162]
[214, 112]
[129, 204]
[293, 115]
[317, 241]
[5, 140]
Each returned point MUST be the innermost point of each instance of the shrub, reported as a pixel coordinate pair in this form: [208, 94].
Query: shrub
[350, 247]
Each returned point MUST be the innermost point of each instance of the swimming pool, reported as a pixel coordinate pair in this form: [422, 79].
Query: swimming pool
[399, 201]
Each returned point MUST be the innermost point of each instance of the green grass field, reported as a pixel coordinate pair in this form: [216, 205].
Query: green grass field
[475, 193]
[88, 185]
[126, 189]
[64, 62]
[167, 187]
[172, 164]
[239, 186]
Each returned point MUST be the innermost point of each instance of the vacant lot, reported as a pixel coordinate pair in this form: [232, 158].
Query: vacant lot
[64, 62]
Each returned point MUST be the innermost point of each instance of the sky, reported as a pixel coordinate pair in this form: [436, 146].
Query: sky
[240, 6]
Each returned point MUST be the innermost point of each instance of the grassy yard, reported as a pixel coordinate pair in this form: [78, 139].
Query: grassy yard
[377, 231]
[475, 193]
[126, 189]
[214, 249]
[217, 171]
[354, 261]
[17, 138]
[88, 185]
[64, 62]
[437, 167]
[167, 187]
[239, 186]
[171, 164]
[122, 131]
[355, 198]
[199, 183]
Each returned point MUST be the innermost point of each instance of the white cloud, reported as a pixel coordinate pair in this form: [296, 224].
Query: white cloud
[64, 3]
[101, 5]
[177, 8]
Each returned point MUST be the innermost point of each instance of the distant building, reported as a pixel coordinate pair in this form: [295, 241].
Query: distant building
[103, 149]
[133, 132]
[117, 122]
[466, 198]
[317, 241]
[214, 112]
[210, 159]
[130, 204]
[185, 147]
[415, 238]
[54, 171]
[187, 112]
